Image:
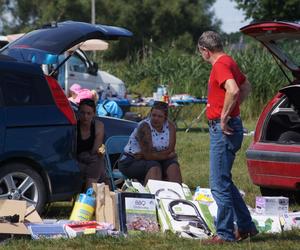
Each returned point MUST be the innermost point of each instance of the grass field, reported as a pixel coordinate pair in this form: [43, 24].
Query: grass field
[193, 151]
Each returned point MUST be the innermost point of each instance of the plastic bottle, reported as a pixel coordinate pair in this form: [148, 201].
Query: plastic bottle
[84, 206]
[160, 93]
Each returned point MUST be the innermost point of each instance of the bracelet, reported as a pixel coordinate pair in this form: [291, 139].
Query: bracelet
[101, 150]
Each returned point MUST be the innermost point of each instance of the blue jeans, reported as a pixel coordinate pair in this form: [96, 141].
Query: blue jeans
[231, 205]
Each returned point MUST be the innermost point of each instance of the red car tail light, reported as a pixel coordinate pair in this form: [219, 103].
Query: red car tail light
[61, 100]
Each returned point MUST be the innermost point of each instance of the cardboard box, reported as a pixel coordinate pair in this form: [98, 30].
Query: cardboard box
[32, 215]
[137, 212]
[163, 224]
[47, 231]
[290, 221]
[267, 223]
[187, 192]
[87, 227]
[165, 189]
[269, 205]
[17, 207]
[177, 216]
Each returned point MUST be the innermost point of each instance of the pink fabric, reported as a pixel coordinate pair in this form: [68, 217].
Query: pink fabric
[83, 94]
[75, 88]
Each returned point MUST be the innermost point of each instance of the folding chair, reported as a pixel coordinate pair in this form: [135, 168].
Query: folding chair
[114, 146]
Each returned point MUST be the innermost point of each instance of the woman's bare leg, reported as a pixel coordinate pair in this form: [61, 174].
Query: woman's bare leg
[173, 173]
[154, 173]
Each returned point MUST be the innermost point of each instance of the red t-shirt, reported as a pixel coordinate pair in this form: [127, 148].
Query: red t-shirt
[223, 69]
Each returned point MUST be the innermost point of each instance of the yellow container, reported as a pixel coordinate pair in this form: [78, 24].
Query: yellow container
[84, 207]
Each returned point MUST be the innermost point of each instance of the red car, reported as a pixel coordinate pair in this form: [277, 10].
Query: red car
[273, 158]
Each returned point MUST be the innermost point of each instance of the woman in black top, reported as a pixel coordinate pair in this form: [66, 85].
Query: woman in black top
[90, 134]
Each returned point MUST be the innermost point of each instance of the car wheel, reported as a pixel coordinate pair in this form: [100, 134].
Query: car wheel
[20, 182]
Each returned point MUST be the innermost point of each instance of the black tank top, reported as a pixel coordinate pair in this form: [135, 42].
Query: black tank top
[87, 144]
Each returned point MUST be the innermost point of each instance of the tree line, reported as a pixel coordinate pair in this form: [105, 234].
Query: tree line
[160, 23]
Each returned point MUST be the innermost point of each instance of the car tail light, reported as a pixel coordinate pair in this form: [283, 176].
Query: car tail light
[61, 100]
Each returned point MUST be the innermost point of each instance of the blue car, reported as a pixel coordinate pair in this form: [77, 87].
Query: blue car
[37, 123]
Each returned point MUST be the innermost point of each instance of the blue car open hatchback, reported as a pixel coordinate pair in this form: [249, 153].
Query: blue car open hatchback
[37, 123]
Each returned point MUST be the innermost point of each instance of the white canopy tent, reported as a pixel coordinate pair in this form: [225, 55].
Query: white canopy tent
[89, 45]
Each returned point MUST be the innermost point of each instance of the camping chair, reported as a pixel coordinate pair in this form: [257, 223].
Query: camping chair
[114, 146]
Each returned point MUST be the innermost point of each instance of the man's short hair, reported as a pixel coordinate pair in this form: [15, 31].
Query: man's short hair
[211, 40]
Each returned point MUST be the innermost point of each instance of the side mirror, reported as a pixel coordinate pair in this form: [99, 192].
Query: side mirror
[93, 69]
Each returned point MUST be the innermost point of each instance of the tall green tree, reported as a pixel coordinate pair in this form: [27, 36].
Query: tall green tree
[157, 21]
[23, 15]
[259, 10]
[153, 22]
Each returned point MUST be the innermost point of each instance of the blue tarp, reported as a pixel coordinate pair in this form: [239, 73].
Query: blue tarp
[109, 108]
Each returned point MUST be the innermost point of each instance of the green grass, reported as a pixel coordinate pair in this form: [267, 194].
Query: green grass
[195, 165]
[193, 151]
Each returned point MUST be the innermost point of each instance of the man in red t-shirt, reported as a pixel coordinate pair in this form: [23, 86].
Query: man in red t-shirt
[227, 88]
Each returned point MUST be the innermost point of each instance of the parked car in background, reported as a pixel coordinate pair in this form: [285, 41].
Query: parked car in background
[80, 69]
[273, 157]
[37, 123]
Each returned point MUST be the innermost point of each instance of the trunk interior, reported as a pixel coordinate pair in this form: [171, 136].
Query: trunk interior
[283, 124]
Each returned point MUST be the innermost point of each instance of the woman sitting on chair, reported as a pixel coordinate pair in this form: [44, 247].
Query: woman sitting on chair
[90, 134]
[150, 152]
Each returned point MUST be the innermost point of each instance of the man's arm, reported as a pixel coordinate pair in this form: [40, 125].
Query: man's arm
[245, 90]
[231, 97]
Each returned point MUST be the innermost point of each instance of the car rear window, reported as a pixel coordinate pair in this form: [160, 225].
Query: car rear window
[20, 89]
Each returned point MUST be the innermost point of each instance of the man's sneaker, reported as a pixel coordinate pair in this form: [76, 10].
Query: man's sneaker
[242, 235]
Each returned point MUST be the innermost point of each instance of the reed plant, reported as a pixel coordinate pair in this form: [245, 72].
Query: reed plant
[188, 73]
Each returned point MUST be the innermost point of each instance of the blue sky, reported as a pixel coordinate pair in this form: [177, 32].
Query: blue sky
[232, 18]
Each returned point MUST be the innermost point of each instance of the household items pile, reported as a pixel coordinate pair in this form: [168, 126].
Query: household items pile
[159, 206]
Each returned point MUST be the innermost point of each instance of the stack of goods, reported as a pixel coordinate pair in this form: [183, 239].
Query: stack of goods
[176, 210]
[271, 215]
[161, 205]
